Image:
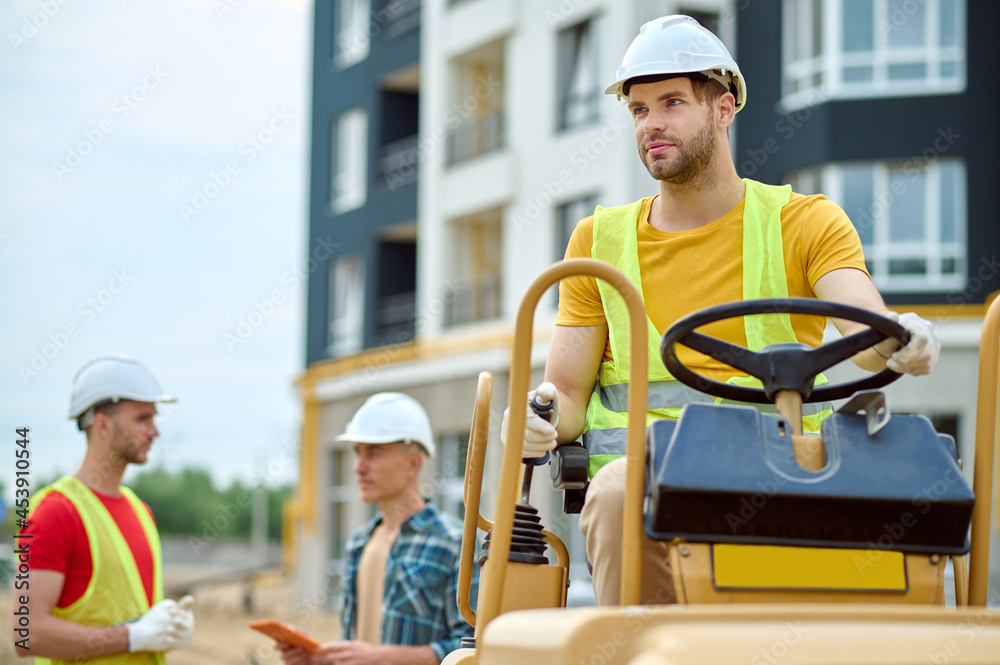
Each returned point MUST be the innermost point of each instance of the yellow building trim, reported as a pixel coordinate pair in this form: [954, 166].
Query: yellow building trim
[289, 538]
[309, 461]
[939, 313]
[415, 351]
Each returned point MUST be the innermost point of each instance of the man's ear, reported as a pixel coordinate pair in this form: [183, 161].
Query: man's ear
[416, 460]
[725, 109]
[103, 424]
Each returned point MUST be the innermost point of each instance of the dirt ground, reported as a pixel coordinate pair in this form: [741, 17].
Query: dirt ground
[221, 636]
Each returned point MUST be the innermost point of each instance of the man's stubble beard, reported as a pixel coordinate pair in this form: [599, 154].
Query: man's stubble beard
[693, 158]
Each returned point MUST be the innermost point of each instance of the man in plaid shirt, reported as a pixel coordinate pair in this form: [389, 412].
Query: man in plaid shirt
[402, 566]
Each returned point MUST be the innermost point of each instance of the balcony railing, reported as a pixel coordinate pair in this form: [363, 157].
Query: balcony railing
[396, 17]
[396, 317]
[399, 161]
[474, 301]
[475, 136]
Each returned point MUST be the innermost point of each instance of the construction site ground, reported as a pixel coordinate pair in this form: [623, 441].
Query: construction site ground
[221, 635]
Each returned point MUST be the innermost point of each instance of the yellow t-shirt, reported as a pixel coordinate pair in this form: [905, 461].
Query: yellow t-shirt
[686, 271]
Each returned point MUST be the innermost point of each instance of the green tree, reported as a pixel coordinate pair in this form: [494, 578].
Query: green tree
[187, 503]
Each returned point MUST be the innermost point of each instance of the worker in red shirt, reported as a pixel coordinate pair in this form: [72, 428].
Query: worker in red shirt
[95, 590]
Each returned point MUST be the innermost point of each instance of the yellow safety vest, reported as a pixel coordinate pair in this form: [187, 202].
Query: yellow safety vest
[616, 242]
[115, 593]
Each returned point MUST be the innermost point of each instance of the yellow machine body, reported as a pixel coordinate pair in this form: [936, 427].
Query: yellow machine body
[737, 603]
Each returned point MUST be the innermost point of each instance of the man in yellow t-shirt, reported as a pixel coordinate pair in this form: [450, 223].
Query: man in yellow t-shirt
[693, 244]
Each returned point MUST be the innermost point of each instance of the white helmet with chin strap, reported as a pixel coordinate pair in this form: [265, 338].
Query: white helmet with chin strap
[388, 418]
[111, 378]
[678, 44]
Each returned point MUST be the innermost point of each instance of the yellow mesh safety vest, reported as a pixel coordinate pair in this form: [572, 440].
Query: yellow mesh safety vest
[616, 242]
[115, 593]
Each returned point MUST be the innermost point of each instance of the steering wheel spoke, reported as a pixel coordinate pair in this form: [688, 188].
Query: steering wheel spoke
[828, 355]
[733, 355]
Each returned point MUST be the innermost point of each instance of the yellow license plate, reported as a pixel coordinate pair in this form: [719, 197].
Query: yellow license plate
[775, 567]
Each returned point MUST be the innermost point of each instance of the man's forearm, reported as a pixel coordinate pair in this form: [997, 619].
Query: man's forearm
[52, 637]
[572, 418]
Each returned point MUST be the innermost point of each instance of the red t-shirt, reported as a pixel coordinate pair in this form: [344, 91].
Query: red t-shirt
[59, 542]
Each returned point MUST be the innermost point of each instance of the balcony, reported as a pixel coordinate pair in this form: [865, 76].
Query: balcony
[398, 163]
[475, 136]
[396, 17]
[395, 318]
[474, 301]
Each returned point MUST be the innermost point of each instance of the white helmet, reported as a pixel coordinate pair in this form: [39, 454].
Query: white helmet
[390, 417]
[112, 378]
[678, 44]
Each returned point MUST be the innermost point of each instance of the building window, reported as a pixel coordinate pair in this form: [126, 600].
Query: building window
[475, 118]
[339, 495]
[347, 301]
[353, 35]
[568, 216]
[579, 80]
[846, 49]
[448, 482]
[911, 218]
[350, 157]
[474, 291]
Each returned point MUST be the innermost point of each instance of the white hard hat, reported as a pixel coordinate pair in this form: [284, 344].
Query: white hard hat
[113, 378]
[678, 44]
[390, 417]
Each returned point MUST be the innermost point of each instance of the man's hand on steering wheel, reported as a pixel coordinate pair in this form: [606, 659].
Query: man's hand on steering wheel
[920, 354]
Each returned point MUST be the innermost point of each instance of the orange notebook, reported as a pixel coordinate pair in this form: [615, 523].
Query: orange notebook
[282, 632]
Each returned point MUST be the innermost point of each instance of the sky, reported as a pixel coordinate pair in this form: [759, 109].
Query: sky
[153, 188]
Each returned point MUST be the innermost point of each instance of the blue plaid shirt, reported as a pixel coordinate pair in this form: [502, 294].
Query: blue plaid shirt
[421, 581]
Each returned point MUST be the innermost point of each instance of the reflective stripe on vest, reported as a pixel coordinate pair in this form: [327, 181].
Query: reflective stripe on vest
[115, 593]
[616, 242]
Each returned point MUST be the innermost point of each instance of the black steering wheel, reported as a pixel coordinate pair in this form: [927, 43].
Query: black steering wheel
[785, 366]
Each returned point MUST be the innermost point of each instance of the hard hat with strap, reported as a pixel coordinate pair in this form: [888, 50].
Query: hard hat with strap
[615, 241]
[679, 45]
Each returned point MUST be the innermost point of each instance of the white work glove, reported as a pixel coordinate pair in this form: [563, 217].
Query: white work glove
[184, 618]
[920, 354]
[165, 626]
[539, 434]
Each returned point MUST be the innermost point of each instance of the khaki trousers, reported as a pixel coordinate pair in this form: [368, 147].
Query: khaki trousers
[601, 522]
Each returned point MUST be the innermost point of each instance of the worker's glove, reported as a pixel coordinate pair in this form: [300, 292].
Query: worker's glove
[922, 351]
[162, 628]
[184, 619]
[539, 434]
